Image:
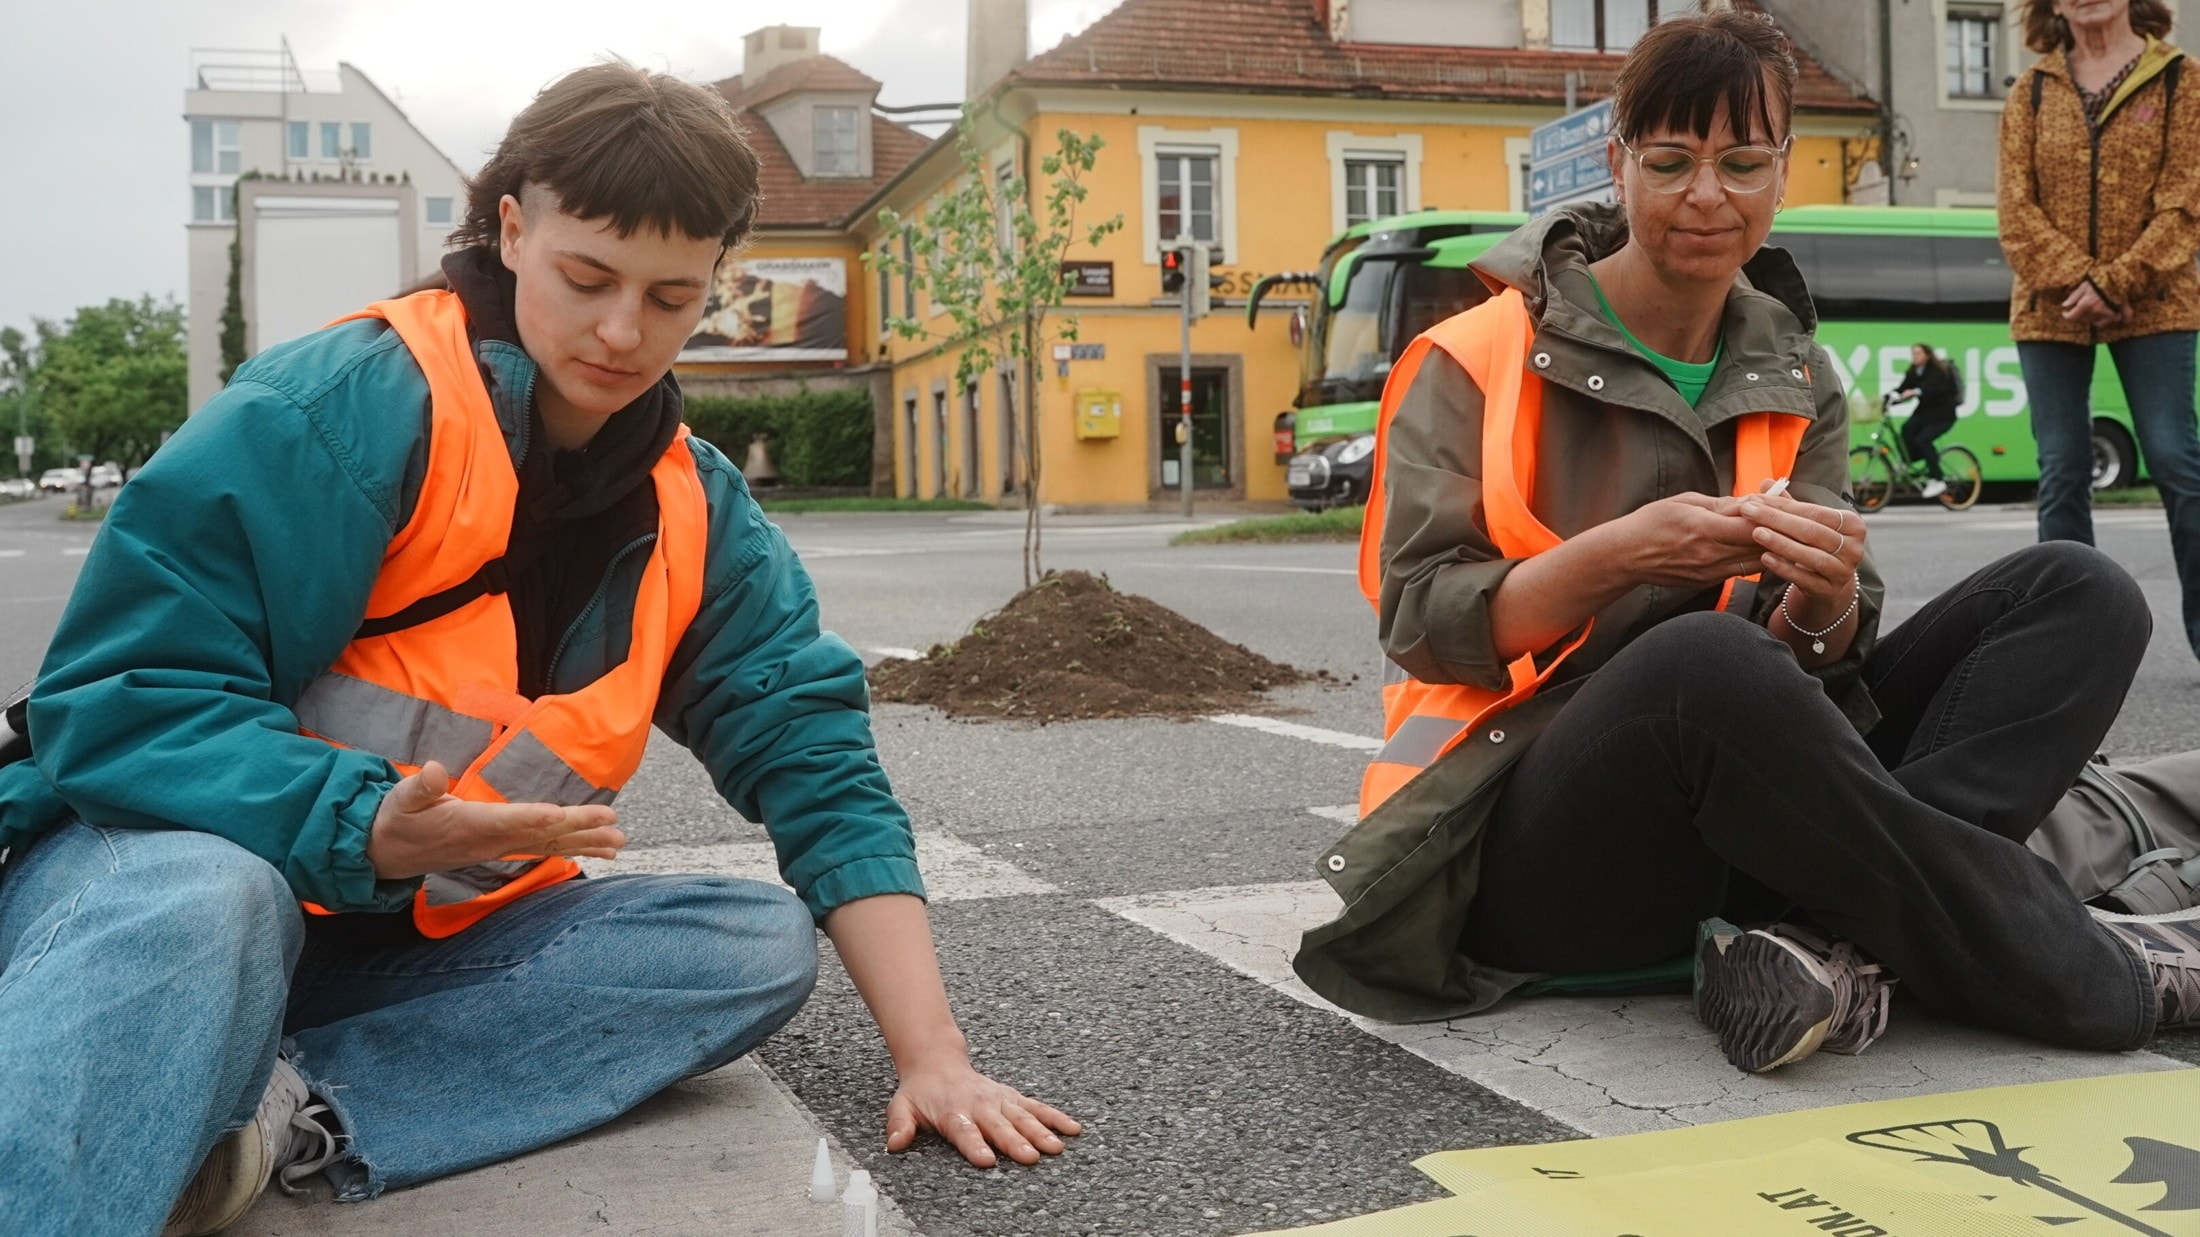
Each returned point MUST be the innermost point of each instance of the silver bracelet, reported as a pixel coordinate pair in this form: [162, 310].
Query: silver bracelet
[1818, 638]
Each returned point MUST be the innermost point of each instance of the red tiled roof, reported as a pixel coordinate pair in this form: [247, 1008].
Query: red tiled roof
[792, 200]
[1282, 47]
[808, 73]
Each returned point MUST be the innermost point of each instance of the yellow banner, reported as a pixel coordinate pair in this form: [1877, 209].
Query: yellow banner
[2089, 1157]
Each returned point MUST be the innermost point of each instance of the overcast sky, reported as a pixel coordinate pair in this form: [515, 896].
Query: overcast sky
[94, 153]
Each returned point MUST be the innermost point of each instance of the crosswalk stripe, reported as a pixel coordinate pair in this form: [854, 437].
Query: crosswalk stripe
[1292, 730]
[954, 870]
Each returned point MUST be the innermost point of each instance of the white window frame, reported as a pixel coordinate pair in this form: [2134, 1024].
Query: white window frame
[332, 140]
[297, 140]
[450, 210]
[1664, 10]
[362, 152]
[1219, 144]
[216, 130]
[223, 200]
[819, 132]
[1517, 151]
[1404, 148]
[2008, 53]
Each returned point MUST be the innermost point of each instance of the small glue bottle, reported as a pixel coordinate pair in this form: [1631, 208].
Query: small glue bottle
[859, 1206]
[821, 1175]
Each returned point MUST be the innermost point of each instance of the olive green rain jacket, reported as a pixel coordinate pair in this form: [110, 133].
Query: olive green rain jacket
[1615, 435]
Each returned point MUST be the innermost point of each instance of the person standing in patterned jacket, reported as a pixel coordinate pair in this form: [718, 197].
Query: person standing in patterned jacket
[2099, 195]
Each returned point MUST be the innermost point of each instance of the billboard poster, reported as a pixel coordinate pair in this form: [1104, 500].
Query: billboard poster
[774, 309]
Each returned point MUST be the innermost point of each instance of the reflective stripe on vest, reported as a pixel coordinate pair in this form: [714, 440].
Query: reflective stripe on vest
[1422, 721]
[447, 689]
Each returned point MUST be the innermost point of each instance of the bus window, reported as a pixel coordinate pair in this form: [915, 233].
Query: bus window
[1974, 277]
[1866, 278]
[1352, 343]
[1432, 294]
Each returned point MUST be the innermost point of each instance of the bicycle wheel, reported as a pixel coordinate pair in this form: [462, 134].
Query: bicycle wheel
[1871, 478]
[1959, 468]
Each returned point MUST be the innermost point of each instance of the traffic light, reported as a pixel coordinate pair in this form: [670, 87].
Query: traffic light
[1197, 280]
[1172, 270]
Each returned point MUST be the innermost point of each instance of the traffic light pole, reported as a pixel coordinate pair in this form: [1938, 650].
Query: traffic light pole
[1184, 405]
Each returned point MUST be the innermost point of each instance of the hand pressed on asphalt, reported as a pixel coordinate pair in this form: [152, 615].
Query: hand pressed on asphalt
[421, 827]
[976, 1115]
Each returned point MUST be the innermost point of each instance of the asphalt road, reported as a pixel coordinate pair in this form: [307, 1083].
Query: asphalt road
[1215, 1104]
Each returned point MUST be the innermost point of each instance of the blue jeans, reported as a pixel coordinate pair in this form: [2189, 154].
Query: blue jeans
[2157, 376]
[147, 978]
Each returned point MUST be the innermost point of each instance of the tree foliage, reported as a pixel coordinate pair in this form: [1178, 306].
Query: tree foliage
[991, 261]
[110, 380]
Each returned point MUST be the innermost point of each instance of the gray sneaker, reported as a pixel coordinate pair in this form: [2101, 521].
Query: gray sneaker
[2170, 946]
[1777, 994]
[283, 1143]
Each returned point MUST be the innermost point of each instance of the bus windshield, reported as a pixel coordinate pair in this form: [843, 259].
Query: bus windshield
[1350, 349]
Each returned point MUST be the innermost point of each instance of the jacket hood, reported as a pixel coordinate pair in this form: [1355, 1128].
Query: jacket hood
[1570, 238]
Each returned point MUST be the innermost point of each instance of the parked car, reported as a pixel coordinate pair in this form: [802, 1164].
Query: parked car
[61, 480]
[1334, 474]
[106, 476]
[12, 488]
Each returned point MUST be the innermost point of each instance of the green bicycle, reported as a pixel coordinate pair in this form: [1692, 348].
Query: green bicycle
[1880, 466]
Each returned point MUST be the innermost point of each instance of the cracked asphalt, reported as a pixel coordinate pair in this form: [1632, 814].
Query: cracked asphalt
[1214, 1102]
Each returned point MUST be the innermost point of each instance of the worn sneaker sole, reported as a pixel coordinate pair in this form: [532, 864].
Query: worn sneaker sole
[226, 1185]
[1769, 1002]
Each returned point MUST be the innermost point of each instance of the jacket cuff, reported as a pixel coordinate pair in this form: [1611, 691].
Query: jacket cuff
[861, 878]
[1457, 634]
[352, 884]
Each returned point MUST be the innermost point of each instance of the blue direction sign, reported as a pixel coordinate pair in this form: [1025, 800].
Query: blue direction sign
[1566, 158]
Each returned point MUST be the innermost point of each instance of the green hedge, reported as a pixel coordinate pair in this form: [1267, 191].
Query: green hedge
[820, 438]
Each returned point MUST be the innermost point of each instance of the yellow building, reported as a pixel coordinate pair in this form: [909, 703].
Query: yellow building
[1261, 128]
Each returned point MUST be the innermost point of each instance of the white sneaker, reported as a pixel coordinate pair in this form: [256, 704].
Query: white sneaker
[283, 1143]
[1934, 487]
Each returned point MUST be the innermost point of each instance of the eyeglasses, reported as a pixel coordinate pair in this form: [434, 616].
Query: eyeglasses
[1740, 169]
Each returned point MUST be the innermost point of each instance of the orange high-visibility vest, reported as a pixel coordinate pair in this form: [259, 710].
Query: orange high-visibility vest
[447, 688]
[1422, 721]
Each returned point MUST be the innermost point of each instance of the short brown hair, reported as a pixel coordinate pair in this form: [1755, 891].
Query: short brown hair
[1681, 71]
[2045, 31]
[614, 141]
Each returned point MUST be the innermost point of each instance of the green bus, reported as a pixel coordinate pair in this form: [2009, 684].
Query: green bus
[1883, 278]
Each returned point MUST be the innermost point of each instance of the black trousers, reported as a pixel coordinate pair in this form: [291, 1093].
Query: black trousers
[1702, 772]
[1919, 431]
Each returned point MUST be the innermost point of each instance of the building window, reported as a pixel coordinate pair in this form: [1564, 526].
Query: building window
[439, 212]
[1608, 25]
[212, 204]
[835, 134]
[1004, 207]
[332, 140]
[908, 278]
[298, 139]
[1372, 188]
[214, 147]
[1971, 37]
[362, 140]
[885, 298]
[1185, 202]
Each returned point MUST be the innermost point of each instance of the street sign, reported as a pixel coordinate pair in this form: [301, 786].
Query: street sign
[1566, 159]
[25, 448]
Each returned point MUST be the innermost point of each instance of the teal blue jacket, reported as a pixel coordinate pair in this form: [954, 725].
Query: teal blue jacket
[235, 567]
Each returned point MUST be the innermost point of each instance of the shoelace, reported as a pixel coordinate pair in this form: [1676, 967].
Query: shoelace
[1862, 991]
[2175, 967]
[303, 1124]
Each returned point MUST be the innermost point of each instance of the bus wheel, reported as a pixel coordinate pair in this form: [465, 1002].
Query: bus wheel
[1871, 478]
[2115, 461]
[1959, 468]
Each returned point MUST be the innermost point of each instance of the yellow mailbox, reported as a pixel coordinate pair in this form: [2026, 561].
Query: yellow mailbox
[1099, 414]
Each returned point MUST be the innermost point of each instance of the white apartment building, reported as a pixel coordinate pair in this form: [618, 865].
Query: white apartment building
[343, 201]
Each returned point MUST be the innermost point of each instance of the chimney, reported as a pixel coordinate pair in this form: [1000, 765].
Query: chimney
[773, 46]
[1000, 39]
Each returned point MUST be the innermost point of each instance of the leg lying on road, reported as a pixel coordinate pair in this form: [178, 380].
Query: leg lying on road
[550, 1017]
[1702, 772]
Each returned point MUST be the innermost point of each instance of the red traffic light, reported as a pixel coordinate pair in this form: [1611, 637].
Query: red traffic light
[1172, 270]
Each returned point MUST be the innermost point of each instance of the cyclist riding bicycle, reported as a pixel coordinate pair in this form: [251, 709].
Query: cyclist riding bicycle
[1936, 387]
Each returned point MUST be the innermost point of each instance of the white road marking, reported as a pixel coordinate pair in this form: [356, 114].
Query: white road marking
[954, 870]
[1343, 813]
[76, 551]
[1612, 1065]
[898, 654]
[1311, 571]
[1292, 730]
[13, 553]
[24, 601]
[830, 551]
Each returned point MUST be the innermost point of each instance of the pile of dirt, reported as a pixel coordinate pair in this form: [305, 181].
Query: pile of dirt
[1071, 648]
